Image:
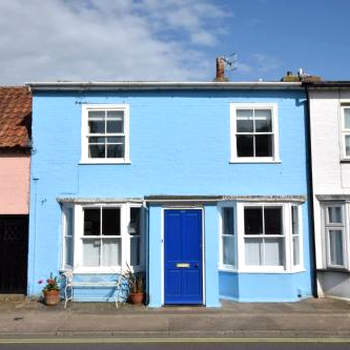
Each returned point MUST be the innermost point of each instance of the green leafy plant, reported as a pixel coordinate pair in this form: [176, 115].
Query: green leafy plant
[135, 281]
[52, 283]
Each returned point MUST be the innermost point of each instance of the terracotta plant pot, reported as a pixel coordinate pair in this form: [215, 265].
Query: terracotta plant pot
[51, 297]
[137, 298]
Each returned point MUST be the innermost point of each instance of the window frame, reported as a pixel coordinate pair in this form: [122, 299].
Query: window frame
[125, 239]
[239, 237]
[221, 207]
[344, 131]
[328, 226]
[64, 221]
[275, 133]
[86, 108]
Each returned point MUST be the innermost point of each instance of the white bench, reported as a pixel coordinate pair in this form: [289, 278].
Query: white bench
[70, 284]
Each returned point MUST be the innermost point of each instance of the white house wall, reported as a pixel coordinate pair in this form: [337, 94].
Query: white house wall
[330, 175]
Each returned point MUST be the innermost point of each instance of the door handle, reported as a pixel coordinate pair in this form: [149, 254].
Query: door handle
[196, 265]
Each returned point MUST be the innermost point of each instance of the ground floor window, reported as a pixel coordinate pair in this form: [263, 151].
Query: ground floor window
[102, 237]
[265, 237]
[334, 218]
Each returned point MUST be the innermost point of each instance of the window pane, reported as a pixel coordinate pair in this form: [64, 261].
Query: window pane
[336, 247]
[96, 127]
[96, 115]
[346, 118]
[135, 217]
[273, 221]
[295, 220]
[117, 115]
[111, 221]
[92, 221]
[263, 120]
[95, 139]
[244, 125]
[253, 221]
[263, 145]
[135, 251]
[96, 151]
[111, 249]
[274, 252]
[335, 215]
[296, 251]
[115, 151]
[228, 250]
[68, 259]
[253, 251]
[69, 221]
[91, 252]
[347, 145]
[244, 113]
[228, 221]
[115, 139]
[245, 146]
[115, 126]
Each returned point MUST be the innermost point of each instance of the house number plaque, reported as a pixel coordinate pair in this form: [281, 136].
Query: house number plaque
[183, 265]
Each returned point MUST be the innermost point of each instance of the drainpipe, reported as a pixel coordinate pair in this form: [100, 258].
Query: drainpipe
[311, 191]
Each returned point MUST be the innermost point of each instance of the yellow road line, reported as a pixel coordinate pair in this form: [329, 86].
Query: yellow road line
[111, 340]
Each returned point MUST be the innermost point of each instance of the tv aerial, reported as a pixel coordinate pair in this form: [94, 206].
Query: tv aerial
[230, 61]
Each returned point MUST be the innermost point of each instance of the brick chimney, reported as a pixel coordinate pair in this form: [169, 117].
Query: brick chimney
[220, 69]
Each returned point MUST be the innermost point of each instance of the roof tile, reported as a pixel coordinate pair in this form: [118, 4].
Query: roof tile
[15, 116]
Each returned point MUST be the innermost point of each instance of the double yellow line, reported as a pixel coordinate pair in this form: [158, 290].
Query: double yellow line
[111, 340]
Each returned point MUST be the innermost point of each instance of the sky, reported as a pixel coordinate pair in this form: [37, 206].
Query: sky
[171, 40]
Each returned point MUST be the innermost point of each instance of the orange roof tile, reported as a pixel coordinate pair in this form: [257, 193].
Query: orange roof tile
[15, 116]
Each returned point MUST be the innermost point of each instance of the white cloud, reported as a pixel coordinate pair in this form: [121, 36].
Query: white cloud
[107, 40]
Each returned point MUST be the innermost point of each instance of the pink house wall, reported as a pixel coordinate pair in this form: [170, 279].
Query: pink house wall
[14, 184]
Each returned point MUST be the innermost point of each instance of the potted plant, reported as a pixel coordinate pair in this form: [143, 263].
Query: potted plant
[136, 286]
[51, 291]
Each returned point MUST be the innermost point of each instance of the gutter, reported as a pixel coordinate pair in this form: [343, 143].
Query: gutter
[155, 85]
[310, 186]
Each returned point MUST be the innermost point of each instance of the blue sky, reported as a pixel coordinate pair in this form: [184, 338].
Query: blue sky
[171, 39]
[288, 34]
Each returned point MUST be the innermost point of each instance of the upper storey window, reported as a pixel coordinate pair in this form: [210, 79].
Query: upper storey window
[346, 131]
[254, 132]
[105, 134]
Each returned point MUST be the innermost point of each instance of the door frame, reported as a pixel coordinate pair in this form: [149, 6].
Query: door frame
[163, 245]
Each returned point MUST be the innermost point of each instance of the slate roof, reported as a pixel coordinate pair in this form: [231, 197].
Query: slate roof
[15, 117]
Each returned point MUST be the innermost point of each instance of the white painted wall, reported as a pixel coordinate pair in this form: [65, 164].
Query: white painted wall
[330, 176]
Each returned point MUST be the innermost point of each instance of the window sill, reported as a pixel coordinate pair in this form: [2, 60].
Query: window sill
[105, 270]
[227, 269]
[268, 271]
[254, 161]
[110, 162]
[234, 270]
[334, 269]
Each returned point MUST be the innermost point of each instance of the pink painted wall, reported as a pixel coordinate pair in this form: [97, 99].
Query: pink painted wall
[14, 184]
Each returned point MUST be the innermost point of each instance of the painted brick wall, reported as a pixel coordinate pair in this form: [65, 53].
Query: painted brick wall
[179, 144]
[330, 176]
[14, 184]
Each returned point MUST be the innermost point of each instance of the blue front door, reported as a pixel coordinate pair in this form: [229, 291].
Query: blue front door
[183, 257]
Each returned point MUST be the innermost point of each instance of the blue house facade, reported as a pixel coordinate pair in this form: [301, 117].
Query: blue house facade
[203, 186]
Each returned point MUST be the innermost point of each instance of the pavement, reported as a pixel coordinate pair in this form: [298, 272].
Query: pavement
[310, 318]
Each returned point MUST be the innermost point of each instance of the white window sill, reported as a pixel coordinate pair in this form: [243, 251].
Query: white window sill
[97, 270]
[227, 269]
[254, 161]
[267, 270]
[336, 268]
[234, 270]
[105, 161]
[105, 270]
